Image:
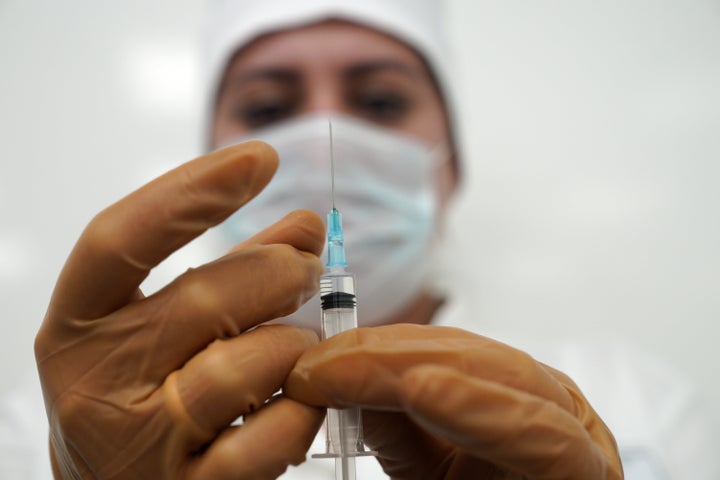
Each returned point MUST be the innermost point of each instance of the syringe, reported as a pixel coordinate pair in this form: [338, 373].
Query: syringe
[339, 313]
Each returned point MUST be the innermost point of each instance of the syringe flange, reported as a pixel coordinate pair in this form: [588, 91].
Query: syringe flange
[364, 453]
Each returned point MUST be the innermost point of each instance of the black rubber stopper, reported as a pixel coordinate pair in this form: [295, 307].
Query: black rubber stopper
[337, 300]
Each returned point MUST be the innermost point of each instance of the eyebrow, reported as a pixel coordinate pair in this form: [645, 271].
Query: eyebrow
[277, 74]
[289, 75]
[369, 68]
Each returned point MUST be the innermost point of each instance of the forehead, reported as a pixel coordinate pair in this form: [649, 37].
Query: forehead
[331, 44]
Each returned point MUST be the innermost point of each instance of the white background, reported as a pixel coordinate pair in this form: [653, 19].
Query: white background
[592, 133]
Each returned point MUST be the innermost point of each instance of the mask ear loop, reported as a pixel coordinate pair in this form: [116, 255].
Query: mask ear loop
[438, 280]
[440, 154]
[443, 152]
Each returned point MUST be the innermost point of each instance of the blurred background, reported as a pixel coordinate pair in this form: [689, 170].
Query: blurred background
[592, 147]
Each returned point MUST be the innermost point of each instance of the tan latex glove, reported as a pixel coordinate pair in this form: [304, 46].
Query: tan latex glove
[442, 403]
[146, 388]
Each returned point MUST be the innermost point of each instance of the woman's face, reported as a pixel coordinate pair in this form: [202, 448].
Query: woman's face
[333, 67]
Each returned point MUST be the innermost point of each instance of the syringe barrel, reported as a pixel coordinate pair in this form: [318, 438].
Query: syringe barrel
[339, 313]
[337, 301]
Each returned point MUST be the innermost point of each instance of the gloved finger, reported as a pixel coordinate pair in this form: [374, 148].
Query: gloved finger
[234, 377]
[303, 229]
[362, 367]
[124, 242]
[263, 447]
[221, 300]
[504, 426]
[587, 416]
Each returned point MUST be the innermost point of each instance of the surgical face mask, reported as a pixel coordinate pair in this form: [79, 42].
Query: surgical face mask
[384, 188]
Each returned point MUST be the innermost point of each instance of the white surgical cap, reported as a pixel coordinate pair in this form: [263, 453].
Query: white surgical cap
[235, 23]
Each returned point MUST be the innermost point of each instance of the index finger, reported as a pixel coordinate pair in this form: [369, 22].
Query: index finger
[124, 242]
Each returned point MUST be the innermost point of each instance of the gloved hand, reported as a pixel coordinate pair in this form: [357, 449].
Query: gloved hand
[442, 403]
[146, 388]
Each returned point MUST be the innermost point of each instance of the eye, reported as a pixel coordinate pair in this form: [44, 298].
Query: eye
[382, 106]
[260, 113]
